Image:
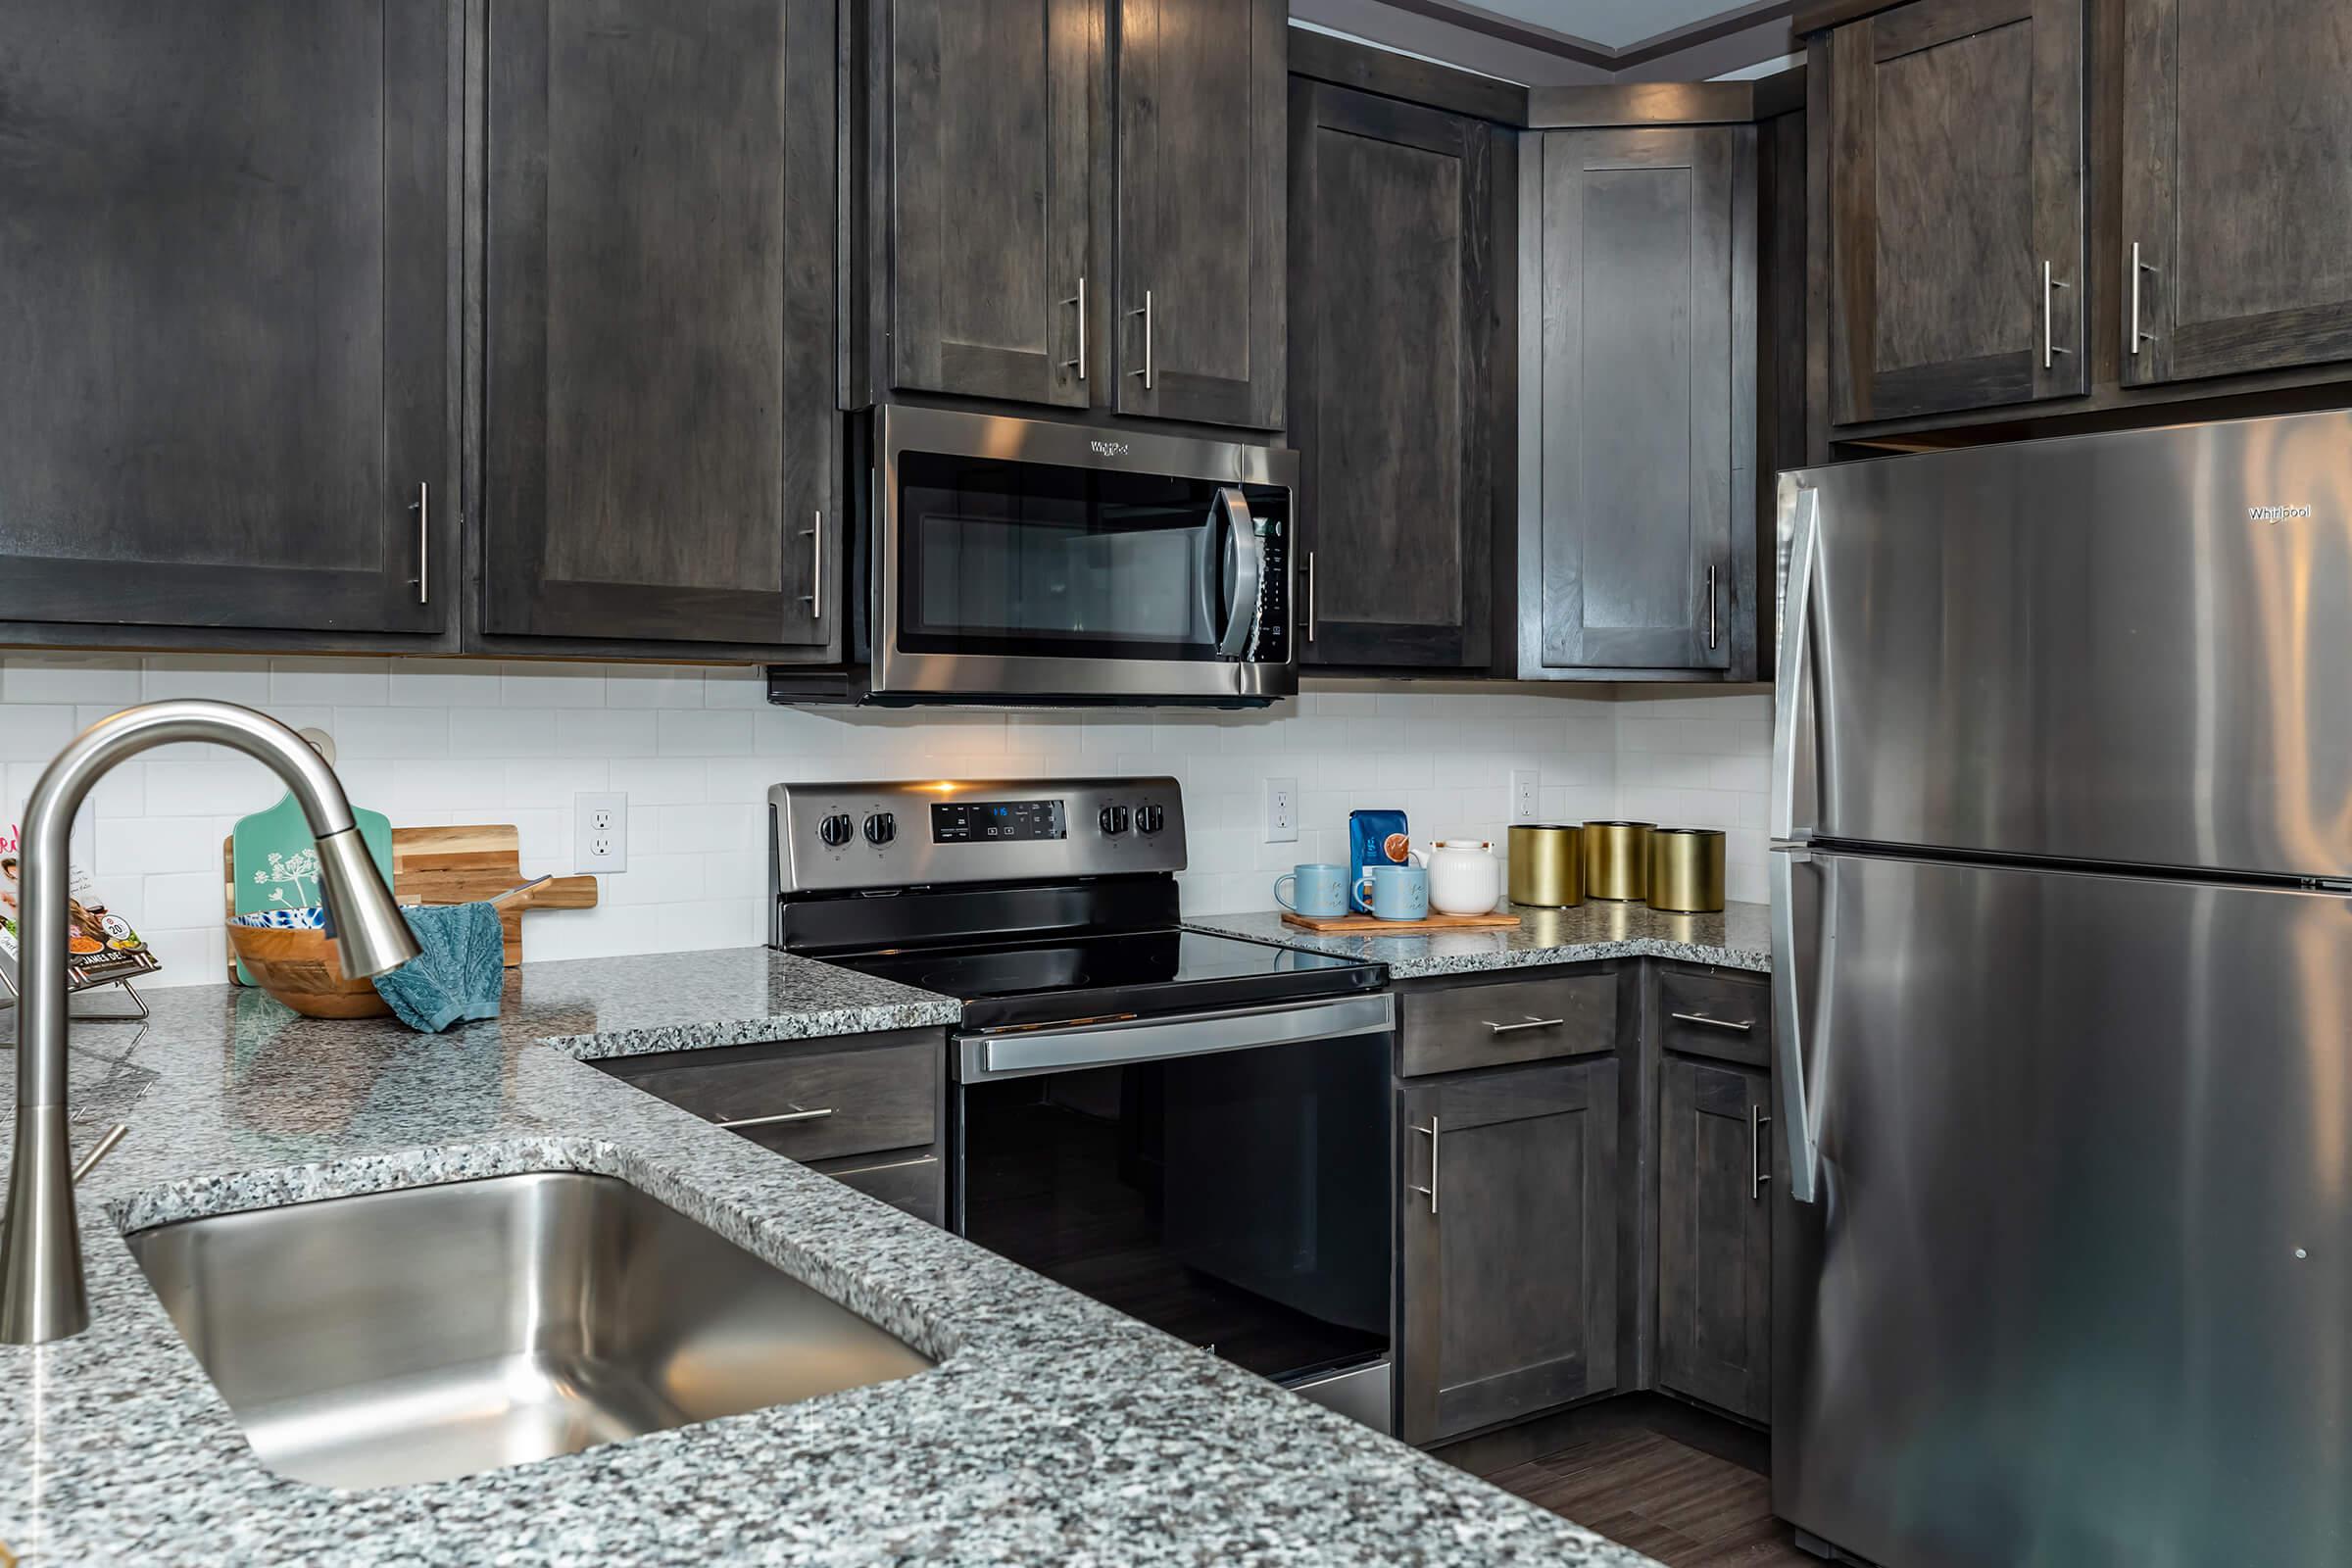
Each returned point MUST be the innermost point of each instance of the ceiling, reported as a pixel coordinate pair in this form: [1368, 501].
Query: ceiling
[1611, 23]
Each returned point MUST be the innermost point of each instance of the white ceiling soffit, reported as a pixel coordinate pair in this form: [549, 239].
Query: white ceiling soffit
[1588, 38]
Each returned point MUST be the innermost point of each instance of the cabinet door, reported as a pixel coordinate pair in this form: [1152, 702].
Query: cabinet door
[1715, 1236]
[2238, 130]
[993, 106]
[1510, 1212]
[1644, 440]
[658, 443]
[225, 295]
[1391, 221]
[1202, 148]
[1956, 207]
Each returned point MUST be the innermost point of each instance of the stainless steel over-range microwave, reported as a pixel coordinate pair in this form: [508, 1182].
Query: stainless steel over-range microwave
[998, 560]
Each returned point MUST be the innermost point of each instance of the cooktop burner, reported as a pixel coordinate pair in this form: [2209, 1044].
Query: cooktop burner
[1068, 975]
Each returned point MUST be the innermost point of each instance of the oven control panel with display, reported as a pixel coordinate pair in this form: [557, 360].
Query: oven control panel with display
[829, 838]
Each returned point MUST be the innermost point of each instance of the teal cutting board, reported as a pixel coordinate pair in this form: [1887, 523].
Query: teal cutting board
[273, 864]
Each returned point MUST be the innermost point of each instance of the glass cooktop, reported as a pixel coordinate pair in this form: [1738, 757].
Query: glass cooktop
[1097, 974]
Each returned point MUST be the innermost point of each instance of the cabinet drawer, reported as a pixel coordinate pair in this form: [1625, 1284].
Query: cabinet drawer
[911, 1179]
[1711, 1013]
[1451, 1027]
[819, 1099]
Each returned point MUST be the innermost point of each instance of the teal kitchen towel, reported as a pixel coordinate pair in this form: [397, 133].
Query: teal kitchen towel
[459, 973]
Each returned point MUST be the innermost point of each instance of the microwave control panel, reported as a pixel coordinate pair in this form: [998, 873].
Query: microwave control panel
[836, 838]
[1273, 642]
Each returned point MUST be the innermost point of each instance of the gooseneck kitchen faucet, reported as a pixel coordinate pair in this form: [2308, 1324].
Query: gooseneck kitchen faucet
[42, 1295]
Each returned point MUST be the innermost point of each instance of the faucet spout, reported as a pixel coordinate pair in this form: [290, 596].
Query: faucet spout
[42, 1293]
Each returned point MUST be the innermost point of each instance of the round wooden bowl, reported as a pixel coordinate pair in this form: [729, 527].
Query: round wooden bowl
[300, 969]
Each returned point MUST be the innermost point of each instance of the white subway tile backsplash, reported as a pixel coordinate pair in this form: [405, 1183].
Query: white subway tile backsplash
[429, 741]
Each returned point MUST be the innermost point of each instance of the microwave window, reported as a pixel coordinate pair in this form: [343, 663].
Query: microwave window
[1036, 560]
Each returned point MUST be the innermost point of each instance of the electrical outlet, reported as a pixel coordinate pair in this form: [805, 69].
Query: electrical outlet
[1527, 799]
[1281, 810]
[600, 825]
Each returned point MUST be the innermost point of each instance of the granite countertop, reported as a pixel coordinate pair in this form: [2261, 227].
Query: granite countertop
[1052, 1431]
[1740, 938]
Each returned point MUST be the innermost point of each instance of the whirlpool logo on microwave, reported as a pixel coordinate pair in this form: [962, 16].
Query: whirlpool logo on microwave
[1109, 449]
[2286, 513]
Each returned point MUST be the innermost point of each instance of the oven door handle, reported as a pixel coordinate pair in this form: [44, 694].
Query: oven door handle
[1019, 1052]
[1249, 571]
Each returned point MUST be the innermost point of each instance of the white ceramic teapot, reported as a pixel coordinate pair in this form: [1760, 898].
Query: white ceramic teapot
[1464, 876]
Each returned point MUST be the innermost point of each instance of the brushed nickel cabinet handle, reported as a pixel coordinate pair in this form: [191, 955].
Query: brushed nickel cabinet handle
[816, 566]
[425, 545]
[1146, 313]
[2133, 338]
[1737, 1026]
[1757, 1175]
[2049, 348]
[1431, 1191]
[776, 1120]
[1310, 596]
[1710, 605]
[1531, 1021]
[1079, 299]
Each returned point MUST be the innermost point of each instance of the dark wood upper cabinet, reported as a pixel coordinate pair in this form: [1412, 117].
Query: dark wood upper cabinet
[1509, 1269]
[1638, 399]
[1200, 112]
[2237, 135]
[1394, 222]
[226, 294]
[1956, 208]
[994, 137]
[1715, 1236]
[659, 450]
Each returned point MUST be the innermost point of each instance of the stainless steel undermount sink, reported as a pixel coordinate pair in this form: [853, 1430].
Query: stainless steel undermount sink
[437, 1332]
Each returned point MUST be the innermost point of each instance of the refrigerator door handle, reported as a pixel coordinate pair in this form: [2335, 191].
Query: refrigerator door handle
[1799, 532]
[1789, 1029]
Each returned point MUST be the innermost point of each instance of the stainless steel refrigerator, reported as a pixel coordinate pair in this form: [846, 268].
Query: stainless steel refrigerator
[2062, 903]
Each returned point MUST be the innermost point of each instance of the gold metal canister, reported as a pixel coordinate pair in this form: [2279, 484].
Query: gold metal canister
[1548, 866]
[1617, 860]
[1686, 869]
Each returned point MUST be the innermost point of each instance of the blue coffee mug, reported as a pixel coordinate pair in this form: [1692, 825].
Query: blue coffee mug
[1321, 891]
[1395, 892]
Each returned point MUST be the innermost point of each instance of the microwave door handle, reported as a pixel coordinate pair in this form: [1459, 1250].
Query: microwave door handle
[1249, 562]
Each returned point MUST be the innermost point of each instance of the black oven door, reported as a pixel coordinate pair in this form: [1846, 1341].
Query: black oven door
[1235, 1196]
[1020, 557]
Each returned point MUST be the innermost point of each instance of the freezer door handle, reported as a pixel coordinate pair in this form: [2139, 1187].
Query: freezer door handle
[1800, 542]
[1789, 1028]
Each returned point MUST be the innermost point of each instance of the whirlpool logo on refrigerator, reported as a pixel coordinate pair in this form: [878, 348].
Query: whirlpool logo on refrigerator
[2284, 513]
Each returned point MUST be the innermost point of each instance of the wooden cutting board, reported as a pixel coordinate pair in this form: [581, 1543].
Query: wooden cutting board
[462, 865]
[1363, 926]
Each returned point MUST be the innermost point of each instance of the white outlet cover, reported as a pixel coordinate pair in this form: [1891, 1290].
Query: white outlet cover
[600, 829]
[1281, 810]
[1526, 795]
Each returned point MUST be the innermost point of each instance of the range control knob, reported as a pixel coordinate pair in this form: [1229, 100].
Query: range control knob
[1150, 818]
[836, 829]
[881, 828]
[1113, 820]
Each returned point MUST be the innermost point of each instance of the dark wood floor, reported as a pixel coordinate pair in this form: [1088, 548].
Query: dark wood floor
[1636, 1484]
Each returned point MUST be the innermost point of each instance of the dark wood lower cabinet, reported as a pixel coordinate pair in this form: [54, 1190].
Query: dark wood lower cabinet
[1509, 1246]
[1715, 1236]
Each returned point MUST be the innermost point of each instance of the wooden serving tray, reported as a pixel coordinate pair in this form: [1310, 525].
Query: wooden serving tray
[1362, 925]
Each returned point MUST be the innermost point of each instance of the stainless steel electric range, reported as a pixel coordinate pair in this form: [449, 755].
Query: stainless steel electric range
[1193, 1129]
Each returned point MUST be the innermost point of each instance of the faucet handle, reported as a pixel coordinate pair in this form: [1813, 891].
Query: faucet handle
[104, 1146]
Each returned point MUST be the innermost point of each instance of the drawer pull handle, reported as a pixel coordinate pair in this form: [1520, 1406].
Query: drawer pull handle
[1737, 1026]
[775, 1120]
[1531, 1021]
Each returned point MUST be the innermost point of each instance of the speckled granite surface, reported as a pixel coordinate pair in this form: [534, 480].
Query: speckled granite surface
[1740, 938]
[1053, 1430]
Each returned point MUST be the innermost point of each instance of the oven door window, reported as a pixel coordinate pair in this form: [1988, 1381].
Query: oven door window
[1236, 1199]
[1033, 560]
